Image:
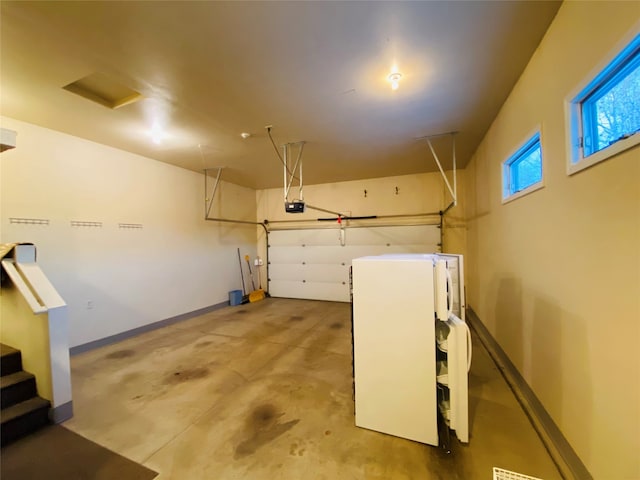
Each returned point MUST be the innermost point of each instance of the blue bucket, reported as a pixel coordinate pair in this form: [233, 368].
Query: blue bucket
[235, 297]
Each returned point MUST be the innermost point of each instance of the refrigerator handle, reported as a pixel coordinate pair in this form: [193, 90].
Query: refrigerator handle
[441, 294]
[449, 293]
[469, 345]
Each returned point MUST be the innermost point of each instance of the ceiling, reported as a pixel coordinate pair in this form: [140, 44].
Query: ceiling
[315, 71]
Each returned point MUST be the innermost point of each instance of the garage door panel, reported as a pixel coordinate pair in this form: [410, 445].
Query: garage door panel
[339, 254]
[318, 254]
[335, 292]
[400, 235]
[314, 255]
[310, 273]
[316, 236]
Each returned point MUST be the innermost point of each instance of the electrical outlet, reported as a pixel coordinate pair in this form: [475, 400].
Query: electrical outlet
[258, 262]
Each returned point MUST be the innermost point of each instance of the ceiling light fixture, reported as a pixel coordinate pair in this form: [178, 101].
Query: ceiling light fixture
[157, 133]
[394, 78]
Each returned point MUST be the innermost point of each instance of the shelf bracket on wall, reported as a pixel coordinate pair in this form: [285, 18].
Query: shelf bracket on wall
[453, 191]
[208, 199]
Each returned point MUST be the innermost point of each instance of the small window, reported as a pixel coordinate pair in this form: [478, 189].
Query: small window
[522, 171]
[605, 115]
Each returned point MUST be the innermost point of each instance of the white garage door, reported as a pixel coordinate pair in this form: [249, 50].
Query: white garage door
[312, 264]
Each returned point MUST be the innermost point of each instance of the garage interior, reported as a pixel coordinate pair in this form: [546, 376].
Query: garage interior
[264, 390]
[159, 144]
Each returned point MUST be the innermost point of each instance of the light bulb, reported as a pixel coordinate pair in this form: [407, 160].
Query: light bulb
[394, 78]
[157, 133]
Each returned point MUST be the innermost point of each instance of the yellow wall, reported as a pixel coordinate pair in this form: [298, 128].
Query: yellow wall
[22, 329]
[418, 193]
[555, 275]
[175, 264]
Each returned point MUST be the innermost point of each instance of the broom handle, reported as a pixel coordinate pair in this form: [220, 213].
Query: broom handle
[244, 292]
[246, 257]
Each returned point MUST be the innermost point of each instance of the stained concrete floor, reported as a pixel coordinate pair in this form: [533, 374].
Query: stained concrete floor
[263, 391]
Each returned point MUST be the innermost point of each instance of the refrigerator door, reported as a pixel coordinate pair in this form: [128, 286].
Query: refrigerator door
[394, 346]
[458, 359]
[455, 267]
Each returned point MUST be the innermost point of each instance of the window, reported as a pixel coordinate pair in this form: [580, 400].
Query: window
[522, 171]
[605, 115]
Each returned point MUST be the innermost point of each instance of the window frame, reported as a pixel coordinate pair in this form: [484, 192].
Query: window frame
[532, 139]
[601, 77]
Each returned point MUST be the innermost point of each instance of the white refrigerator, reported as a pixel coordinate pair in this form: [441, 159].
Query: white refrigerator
[412, 348]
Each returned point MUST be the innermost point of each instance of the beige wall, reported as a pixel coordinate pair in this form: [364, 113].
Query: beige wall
[555, 275]
[422, 193]
[175, 264]
[418, 193]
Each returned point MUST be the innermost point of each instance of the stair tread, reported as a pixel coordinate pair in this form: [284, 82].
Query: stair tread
[15, 378]
[10, 360]
[22, 408]
[7, 350]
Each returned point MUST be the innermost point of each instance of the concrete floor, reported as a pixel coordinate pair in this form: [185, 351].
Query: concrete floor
[263, 391]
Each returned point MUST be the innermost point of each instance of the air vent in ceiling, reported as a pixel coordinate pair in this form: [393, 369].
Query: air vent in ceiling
[102, 89]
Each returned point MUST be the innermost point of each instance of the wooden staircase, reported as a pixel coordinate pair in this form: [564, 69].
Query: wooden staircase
[23, 411]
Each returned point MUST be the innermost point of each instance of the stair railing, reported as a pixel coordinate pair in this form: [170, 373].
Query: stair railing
[30, 281]
[27, 292]
[44, 343]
